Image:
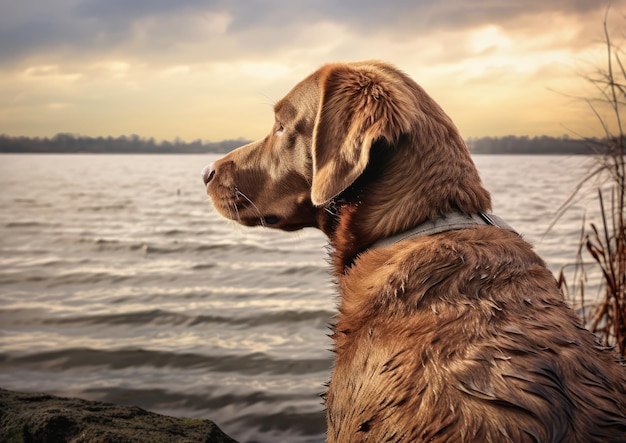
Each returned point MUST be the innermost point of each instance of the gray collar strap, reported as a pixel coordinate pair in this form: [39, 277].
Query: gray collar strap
[449, 222]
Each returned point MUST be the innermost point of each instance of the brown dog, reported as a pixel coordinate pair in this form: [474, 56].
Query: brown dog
[455, 331]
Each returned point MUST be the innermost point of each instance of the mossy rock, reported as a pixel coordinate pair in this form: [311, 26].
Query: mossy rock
[42, 418]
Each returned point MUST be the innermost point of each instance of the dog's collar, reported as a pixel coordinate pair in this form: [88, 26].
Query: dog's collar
[448, 222]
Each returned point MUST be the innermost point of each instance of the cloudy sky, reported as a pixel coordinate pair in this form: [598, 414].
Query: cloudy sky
[211, 69]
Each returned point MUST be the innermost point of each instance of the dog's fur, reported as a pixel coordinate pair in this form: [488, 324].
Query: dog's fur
[459, 336]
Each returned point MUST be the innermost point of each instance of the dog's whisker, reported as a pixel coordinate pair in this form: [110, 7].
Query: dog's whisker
[236, 209]
[238, 192]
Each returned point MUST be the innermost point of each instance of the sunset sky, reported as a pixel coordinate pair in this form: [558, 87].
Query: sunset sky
[211, 70]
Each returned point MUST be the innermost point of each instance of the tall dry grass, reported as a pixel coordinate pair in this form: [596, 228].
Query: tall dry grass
[603, 242]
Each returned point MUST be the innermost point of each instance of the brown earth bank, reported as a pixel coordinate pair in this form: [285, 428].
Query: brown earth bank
[43, 418]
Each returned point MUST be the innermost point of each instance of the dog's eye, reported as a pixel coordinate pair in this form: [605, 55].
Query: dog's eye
[279, 128]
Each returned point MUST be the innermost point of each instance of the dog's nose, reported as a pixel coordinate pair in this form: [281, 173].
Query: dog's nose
[207, 173]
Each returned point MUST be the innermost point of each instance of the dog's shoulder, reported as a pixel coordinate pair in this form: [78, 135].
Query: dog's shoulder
[469, 322]
[472, 264]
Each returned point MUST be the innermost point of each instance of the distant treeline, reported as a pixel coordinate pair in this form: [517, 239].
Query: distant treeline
[532, 145]
[123, 144]
[136, 144]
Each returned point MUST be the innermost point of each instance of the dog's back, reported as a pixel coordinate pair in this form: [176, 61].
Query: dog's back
[464, 336]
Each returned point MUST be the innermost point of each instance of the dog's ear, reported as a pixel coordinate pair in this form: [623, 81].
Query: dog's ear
[359, 104]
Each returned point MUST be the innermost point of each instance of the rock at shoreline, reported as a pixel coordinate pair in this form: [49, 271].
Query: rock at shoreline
[44, 418]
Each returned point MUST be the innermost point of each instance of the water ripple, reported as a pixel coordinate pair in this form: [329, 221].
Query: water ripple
[83, 358]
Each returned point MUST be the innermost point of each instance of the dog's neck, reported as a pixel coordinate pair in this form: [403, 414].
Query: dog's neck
[398, 192]
[454, 220]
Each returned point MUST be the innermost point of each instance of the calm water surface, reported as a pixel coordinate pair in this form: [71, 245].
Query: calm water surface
[119, 283]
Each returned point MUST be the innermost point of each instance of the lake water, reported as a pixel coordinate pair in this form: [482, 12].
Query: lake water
[119, 283]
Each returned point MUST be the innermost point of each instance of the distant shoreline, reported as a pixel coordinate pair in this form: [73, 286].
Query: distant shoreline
[133, 144]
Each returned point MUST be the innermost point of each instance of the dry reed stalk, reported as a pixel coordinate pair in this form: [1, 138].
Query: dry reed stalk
[605, 241]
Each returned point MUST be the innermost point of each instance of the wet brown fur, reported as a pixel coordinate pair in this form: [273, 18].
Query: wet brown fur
[457, 337]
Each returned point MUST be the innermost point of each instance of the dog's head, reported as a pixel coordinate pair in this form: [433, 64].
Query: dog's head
[325, 131]
[320, 143]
